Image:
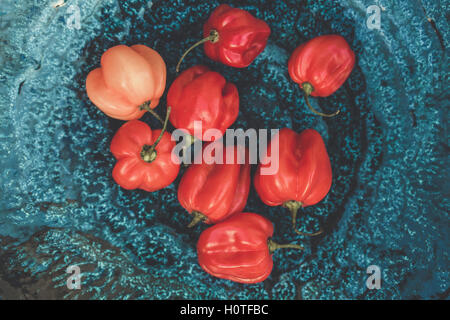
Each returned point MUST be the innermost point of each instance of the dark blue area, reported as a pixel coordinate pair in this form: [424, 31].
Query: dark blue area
[388, 205]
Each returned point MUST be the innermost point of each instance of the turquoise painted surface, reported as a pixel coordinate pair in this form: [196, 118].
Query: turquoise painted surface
[389, 150]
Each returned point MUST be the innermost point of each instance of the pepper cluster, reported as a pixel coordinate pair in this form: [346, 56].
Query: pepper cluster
[131, 81]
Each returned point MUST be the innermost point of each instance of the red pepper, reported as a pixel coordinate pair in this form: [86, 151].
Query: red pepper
[232, 36]
[199, 94]
[321, 66]
[239, 248]
[304, 172]
[144, 157]
[213, 192]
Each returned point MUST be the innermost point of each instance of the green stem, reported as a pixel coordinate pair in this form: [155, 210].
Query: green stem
[190, 142]
[308, 89]
[293, 207]
[148, 154]
[213, 37]
[275, 246]
[198, 217]
[146, 106]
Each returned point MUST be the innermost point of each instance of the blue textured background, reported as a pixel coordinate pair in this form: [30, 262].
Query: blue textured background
[388, 205]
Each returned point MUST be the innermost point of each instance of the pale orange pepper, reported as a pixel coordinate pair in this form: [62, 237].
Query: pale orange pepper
[130, 82]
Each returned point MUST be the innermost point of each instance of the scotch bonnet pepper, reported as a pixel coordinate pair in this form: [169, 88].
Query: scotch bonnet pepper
[143, 157]
[131, 80]
[233, 37]
[239, 248]
[304, 172]
[199, 94]
[212, 191]
[321, 66]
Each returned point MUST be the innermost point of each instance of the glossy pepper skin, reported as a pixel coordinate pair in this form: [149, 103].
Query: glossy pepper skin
[321, 65]
[136, 168]
[199, 94]
[130, 81]
[239, 248]
[213, 192]
[240, 36]
[304, 173]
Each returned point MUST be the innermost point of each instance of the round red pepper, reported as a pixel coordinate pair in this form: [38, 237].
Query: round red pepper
[239, 248]
[320, 67]
[304, 172]
[143, 157]
[199, 94]
[232, 36]
[131, 80]
[212, 192]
